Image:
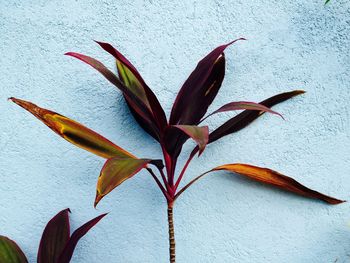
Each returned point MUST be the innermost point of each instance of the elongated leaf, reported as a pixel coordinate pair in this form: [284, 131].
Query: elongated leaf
[133, 80]
[200, 89]
[174, 138]
[199, 134]
[135, 103]
[127, 73]
[270, 177]
[274, 178]
[109, 75]
[243, 105]
[10, 252]
[54, 238]
[76, 236]
[75, 132]
[115, 171]
[246, 117]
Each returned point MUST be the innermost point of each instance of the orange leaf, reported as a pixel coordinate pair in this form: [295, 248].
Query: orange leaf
[75, 132]
[274, 178]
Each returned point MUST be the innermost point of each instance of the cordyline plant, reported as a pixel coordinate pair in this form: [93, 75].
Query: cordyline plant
[188, 112]
[57, 245]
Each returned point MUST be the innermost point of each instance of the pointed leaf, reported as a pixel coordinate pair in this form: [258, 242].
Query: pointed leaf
[200, 89]
[109, 75]
[137, 105]
[243, 105]
[246, 117]
[76, 236]
[54, 238]
[133, 80]
[115, 171]
[270, 177]
[74, 132]
[274, 178]
[199, 134]
[10, 252]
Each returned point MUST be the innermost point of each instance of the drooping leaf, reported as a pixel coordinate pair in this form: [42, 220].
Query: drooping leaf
[246, 117]
[270, 177]
[75, 132]
[200, 89]
[243, 105]
[54, 238]
[135, 103]
[133, 80]
[327, 1]
[10, 252]
[115, 171]
[76, 236]
[199, 134]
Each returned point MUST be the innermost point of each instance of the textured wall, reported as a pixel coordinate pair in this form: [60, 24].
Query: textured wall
[292, 45]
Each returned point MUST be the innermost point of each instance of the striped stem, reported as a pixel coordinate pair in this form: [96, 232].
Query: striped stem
[171, 233]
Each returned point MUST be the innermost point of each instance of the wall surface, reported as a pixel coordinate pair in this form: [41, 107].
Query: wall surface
[292, 45]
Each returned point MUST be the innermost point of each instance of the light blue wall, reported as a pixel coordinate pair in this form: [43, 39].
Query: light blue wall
[292, 45]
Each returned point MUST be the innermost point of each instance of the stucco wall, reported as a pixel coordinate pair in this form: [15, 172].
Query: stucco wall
[292, 45]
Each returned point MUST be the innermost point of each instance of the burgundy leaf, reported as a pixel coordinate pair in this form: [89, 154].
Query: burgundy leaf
[200, 89]
[246, 117]
[54, 238]
[243, 105]
[76, 236]
[199, 134]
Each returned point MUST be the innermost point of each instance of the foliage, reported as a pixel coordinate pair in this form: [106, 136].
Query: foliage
[56, 245]
[187, 115]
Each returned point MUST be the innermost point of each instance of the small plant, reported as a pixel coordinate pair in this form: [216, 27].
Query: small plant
[188, 112]
[56, 245]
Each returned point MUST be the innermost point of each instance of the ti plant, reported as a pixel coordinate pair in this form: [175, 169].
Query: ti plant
[188, 112]
[56, 245]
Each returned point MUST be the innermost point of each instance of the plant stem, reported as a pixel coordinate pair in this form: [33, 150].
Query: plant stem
[171, 233]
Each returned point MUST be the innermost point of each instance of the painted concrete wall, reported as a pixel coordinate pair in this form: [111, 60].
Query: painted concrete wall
[292, 45]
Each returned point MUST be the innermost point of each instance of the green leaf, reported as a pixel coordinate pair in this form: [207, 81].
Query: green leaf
[10, 252]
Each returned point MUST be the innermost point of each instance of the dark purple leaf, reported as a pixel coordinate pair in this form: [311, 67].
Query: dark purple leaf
[200, 89]
[54, 238]
[76, 236]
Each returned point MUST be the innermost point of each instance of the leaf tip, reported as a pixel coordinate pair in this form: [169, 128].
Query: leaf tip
[97, 199]
[71, 54]
[334, 201]
[298, 92]
[234, 41]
